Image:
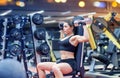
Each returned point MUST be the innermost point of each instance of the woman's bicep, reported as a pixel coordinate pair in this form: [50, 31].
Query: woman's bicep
[73, 40]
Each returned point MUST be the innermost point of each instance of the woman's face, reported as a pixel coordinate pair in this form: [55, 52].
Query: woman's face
[67, 29]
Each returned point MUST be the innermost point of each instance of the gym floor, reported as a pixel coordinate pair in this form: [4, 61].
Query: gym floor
[97, 73]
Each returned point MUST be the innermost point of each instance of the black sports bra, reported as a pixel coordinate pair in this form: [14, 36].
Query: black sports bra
[66, 45]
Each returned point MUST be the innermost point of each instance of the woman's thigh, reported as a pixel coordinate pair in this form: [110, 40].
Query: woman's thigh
[46, 65]
[65, 68]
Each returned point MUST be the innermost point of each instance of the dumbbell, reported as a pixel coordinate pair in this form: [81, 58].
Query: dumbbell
[15, 49]
[37, 19]
[15, 34]
[43, 49]
[40, 34]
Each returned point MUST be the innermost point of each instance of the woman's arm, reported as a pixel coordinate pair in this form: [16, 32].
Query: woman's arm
[62, 35]
[74, 40]
[77, 38]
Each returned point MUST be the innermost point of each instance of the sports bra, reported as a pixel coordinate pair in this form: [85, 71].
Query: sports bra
[66, 45]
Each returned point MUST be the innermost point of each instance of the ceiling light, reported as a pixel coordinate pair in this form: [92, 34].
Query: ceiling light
[9, 0]
[118, 1]
[50, 1]
[3, 2]
[6, 12]
[63, 1]
[99, 4]
[57, 1]
[81, 4]
[114, 4]
[20, 3]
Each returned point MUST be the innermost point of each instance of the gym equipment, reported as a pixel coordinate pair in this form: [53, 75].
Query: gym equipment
[37, 19]
[15, 49]
[40, 34]
[39, 37]
[1, 29]
[1, 23]
[43, 49]
[100, 23]
[60, 25]
[15, 33]
[16, 19]
[92, 44]
[9, 21]
[112, 49]
[24, 49]
[100, 26]
[3, 26]
[112, 20]
[15, 40]
[10, 68]
[1, 32]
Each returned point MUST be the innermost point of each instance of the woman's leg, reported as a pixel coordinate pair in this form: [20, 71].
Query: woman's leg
[41, 73]
[41, 67]
[60, 69]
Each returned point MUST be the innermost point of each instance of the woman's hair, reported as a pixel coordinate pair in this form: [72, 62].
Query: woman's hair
[69, 23]
[78, 18]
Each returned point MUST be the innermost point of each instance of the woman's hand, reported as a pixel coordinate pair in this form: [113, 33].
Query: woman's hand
[89, 20]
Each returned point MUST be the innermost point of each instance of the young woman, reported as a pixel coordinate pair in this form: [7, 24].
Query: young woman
[67, 49]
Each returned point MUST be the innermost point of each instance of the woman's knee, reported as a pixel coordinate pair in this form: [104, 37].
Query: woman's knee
[39, 66]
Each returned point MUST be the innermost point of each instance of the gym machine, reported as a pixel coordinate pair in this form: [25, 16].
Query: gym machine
[100, 26]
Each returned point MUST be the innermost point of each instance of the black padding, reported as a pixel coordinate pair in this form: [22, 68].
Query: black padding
[101, 58]
[55, 45]
[10, 68]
